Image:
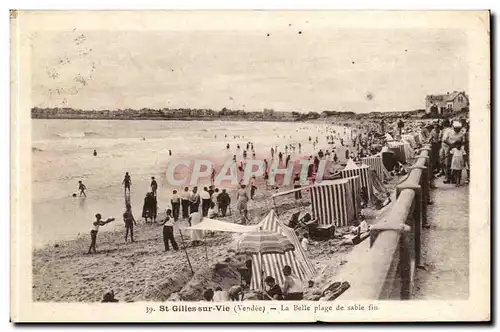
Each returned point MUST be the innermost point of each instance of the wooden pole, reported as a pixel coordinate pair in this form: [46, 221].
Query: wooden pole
[206, 250]
[185, 250]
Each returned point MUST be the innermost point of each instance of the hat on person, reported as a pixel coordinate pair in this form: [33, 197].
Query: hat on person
[457, 124]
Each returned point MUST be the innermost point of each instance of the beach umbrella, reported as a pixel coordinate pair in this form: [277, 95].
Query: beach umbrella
[264, 242]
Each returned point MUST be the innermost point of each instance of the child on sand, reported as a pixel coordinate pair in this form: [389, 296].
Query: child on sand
[93, 232]
[129, 221]
[82, 188]
[457, 162]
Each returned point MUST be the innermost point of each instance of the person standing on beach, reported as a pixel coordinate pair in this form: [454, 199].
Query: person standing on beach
[149, 207]
[175, 201]
[95, 153]
[154, 186]
[170, 153]
[215, 200]
[129, 221]
[127, 182]
[223, 201]
[185, 203]
[211, 191]
[316, 163]
[82, 188]
[194, 201]
[242, 198]
[168, 231]
[196, 234]
[272, 153]
[212, 176]
[296, 185]
[253, 187]
[95, 229]
[292, 288]
[205, 201]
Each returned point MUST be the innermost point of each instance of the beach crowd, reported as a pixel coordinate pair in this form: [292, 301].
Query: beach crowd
[448, 138]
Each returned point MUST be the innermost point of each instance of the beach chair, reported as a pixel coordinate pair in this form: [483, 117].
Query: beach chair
[322, 232]
[316, 231]
[294, 220]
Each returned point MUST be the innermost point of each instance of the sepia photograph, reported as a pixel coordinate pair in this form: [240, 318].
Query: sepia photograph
[296, 162]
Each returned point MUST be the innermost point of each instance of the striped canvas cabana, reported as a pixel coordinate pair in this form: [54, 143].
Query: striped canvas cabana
[272, 264]
[399, 150]
[361, 171]
[410, 139]
[355, 184]
[409, 152]
[375, 163]
[341, 153]
[332, 203]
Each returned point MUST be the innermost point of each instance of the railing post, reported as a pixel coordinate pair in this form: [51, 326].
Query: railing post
[417, 215]
[426, 194]
[376, 229]
[405, 269]
[429, 163]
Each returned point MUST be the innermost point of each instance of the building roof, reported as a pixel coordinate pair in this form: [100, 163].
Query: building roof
[446, 97]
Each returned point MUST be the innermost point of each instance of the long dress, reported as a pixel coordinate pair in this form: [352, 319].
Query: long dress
[196, 235]
[241, 205]
[149, 207]
[457, 161]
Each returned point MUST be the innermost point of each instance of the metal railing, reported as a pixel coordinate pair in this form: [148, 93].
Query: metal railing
[387, 269]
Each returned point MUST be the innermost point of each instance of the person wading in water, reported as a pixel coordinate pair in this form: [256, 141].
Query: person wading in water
[127, 182]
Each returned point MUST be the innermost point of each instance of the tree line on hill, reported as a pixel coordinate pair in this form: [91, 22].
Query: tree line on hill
[207, 114]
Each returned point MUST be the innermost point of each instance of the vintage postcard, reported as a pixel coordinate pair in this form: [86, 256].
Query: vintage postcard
[250, 166]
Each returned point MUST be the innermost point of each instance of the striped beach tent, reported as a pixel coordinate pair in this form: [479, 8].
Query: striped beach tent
[409, 152]
[377, 184]
[410, 139]
[355, 184]
[273, 264]
[332, 202]
[341, 152]
[362, 171]
[399, 150]
[375, 163]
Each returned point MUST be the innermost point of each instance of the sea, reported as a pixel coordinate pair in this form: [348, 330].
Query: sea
[62, 155]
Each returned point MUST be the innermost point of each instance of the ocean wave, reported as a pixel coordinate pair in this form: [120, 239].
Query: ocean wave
[77, 134]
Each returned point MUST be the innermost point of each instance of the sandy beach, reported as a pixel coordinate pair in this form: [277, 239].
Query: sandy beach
[65, 273]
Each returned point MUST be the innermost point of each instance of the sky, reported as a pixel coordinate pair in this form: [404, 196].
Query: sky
[293, 65]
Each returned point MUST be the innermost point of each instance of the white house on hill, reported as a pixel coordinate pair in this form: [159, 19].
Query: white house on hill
[446, 103]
